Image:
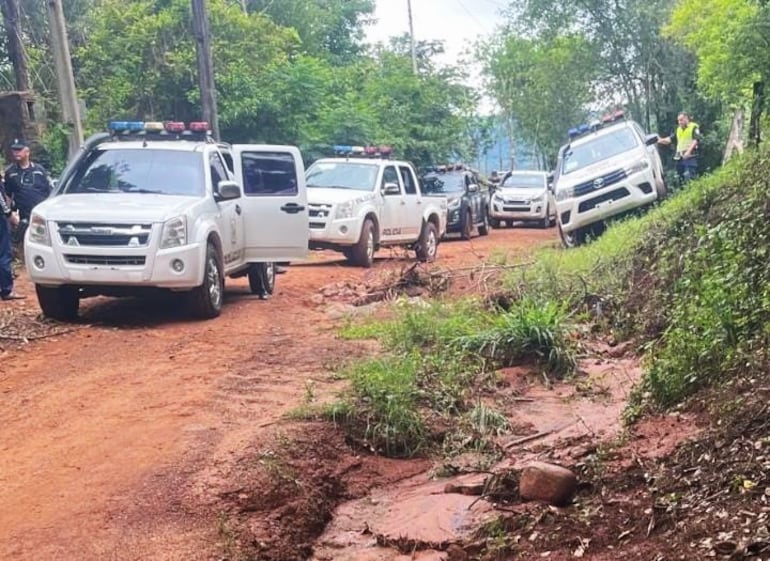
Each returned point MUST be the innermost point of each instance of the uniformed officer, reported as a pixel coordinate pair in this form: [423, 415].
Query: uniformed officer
[8, 220]
[26, 182]
[687, 138]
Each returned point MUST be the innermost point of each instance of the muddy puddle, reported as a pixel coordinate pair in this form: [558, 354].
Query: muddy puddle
[415, 519]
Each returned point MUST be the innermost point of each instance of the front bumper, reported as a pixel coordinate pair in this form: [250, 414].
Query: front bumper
[601, 204]
[513, 209]
[99, 266]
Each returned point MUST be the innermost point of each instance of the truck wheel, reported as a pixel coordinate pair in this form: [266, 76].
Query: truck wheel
[427, 245]
[546, 222]
[262, 278]
[574, 238]
[58, 302]
[494, 222]
[206, 299]
[467, 226]
[484, 226]
[362, 254]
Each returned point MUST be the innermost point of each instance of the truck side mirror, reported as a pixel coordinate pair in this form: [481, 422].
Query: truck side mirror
[473, 188]
[549, 181]
[227, 190]
[391, 189]
[651, 139]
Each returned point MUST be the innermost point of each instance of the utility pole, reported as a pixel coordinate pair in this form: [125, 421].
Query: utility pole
[205, 65]
[411, 37]
[64, 77]
[16, 51]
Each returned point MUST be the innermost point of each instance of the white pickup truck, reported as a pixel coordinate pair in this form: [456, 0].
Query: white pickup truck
[150, 206]
[358, 205]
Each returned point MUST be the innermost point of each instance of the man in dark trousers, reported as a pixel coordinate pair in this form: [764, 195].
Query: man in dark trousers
[26, 182]
[687, 138]
[8, 219]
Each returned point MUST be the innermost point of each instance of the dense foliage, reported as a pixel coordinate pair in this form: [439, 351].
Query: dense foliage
[291, 72]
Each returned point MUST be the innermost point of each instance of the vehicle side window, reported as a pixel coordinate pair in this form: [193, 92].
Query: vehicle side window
[410, 187]
[228, 158]
[267, 174]
[218, 171]
[389, 175]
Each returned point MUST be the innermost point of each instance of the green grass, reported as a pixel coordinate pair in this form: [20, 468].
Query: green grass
[689, 280]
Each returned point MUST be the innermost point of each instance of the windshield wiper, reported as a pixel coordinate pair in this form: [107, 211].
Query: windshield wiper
[143, 191]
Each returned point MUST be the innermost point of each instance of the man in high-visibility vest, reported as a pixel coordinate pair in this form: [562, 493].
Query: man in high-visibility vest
[687, 138]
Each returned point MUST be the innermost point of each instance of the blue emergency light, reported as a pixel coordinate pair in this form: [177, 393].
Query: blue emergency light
[157, 130]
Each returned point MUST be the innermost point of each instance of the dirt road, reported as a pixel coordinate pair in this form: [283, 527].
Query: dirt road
[107, 432]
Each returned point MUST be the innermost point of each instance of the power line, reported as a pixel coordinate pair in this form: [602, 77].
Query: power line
[474, 18]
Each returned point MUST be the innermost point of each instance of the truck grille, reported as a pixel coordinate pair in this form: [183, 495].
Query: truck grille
[121, 260]
[95, 234]
[318, 214]
[599, 182]
[613, 195]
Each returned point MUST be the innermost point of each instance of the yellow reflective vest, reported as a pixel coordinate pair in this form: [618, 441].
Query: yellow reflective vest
[685, 136]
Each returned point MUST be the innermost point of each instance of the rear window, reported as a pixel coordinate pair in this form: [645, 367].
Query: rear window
[140, 170]
[599, 148]
[444, 183]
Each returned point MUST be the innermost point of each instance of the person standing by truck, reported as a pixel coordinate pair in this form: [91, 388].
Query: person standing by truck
[687, 139]
[26, 182]
[8, 220]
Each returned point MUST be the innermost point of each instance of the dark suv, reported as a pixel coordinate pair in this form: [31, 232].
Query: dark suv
[467, 199]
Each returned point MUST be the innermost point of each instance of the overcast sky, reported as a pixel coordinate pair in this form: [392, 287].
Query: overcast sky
[459, 23]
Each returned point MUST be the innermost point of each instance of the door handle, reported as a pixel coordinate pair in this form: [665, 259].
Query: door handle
[292, 208]
[238, 210]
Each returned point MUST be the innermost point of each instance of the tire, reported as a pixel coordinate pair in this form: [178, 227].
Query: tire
[467, 226]
[427, 246]
[484, 226]
[573, 239]
[662, 189]
[206, 299]
[59, 302]
[546, 222]
[362, 254]
[494, 222]
[262, 278]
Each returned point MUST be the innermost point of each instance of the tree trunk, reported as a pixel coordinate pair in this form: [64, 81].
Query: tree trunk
[757, 108]
[16, 51]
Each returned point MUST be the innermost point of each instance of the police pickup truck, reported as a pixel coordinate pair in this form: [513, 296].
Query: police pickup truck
[360, 204]
[162, 206]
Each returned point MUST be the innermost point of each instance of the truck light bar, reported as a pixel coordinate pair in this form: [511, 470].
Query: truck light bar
[156, 130]
[368, 151]
[585, 128]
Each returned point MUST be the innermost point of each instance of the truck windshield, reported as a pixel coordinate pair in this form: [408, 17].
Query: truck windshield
[342, 175]
[597, 149]
[524, 180]
[140, 170]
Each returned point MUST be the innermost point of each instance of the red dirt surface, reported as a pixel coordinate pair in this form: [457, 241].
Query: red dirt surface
[138, 434]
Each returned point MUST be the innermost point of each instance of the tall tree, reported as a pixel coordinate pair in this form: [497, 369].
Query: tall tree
[328, 28]
[731, 39]
[543, 85]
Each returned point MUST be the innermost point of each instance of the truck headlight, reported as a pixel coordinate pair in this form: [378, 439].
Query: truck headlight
[453, 204]
[174, 233]
[344, 210]
[538, 199]
[564, 194]
[637, 167]
[38, 230]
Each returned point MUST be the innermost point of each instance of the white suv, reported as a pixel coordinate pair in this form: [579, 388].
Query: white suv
[605, 170]
[358, 205]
